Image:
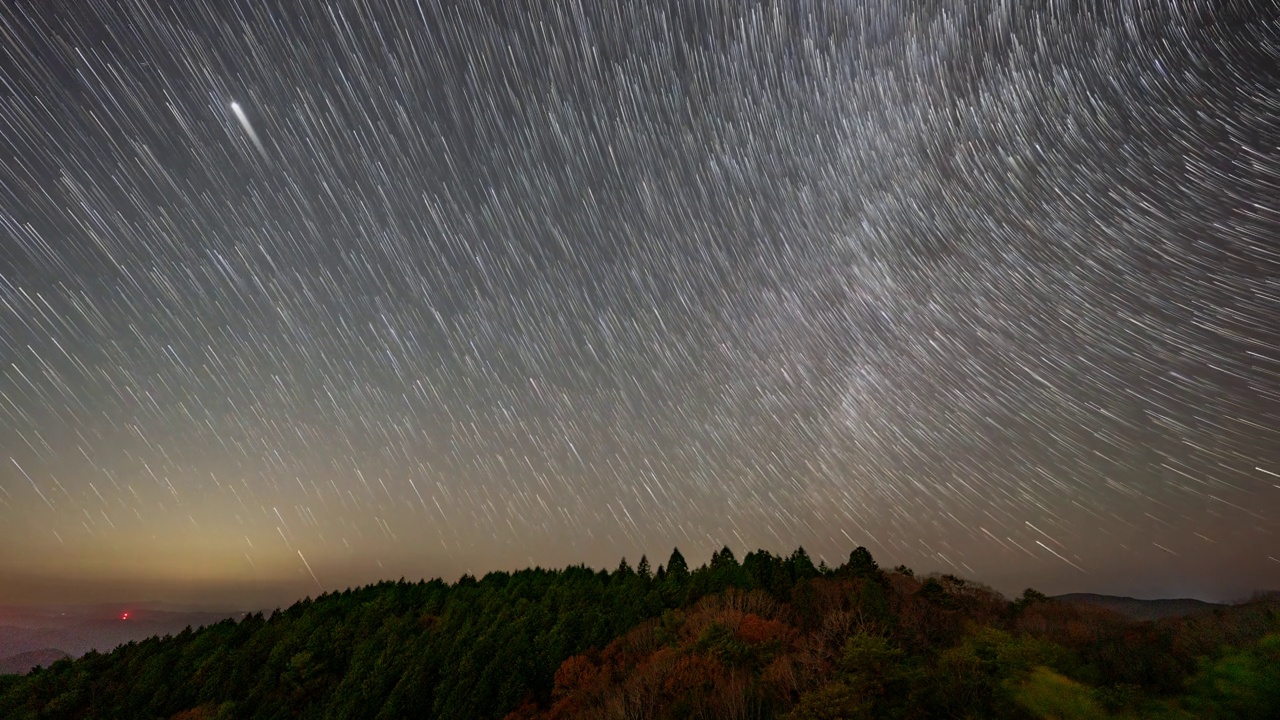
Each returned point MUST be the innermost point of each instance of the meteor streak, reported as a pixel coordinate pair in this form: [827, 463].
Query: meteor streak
[248, 129]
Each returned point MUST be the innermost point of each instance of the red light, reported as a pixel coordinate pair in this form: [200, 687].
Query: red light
[124, 616]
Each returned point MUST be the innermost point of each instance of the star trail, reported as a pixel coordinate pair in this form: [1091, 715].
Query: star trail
[297, 296]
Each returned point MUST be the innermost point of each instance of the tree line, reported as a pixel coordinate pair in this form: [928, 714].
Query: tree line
[764, 637]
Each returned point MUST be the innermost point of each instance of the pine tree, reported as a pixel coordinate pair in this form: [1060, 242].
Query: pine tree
[800, 566]
[722, 559]
[677, 568]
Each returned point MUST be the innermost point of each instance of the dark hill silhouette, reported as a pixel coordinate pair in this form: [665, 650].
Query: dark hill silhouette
[764, 637]
[1138, 609]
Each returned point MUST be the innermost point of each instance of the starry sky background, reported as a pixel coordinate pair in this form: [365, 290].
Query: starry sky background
[307, 295]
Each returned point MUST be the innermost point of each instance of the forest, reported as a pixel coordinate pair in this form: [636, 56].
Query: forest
[764, 637]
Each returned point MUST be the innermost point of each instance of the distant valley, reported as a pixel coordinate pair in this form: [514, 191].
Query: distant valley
[32, 636]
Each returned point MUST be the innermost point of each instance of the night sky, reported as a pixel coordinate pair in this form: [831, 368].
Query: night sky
[296, 296]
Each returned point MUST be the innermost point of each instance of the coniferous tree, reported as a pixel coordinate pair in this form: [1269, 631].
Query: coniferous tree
[677, 568]
[765, 572]
[800, 566]
[723, 558]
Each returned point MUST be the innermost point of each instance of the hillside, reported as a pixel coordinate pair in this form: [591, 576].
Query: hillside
[767, 637]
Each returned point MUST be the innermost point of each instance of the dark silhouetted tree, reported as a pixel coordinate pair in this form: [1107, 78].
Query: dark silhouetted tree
[861, 564]
[677, 568]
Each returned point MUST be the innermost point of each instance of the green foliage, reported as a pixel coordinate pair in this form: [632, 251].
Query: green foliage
[874, 679]
[767, 637]
[720, 641]
[475, 649]
[800, 567]
[1051, 696]
[1119, 698]
[1243, 683]
[667, 631]
[836, 701]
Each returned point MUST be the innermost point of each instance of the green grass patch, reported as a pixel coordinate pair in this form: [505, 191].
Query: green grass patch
[1051, 696]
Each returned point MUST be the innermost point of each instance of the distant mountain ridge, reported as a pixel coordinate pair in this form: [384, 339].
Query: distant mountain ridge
[1138, 609]
[22, 663]
[75, 630]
